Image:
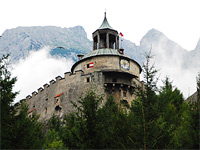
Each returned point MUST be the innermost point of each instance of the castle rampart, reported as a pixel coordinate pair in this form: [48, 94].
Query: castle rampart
[72, 87]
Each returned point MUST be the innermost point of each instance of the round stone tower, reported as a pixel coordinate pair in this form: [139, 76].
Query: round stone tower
[119, 71]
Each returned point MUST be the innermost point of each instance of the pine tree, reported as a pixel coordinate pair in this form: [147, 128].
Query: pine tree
[197, 145]
[28, 132]
[18, 131]
[55, 136]
[6, 99]
[143, 109]
[53, 140]
[195, 118]
[82, 127]
[171, 111]
[198, 88]
[112, 126]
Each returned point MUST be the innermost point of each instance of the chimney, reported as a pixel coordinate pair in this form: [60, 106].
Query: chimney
[80, 56]
[121, 51]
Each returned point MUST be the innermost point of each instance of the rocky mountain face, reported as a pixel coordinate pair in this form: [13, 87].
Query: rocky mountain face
[20, 41]
[164, 51]
[193, 57]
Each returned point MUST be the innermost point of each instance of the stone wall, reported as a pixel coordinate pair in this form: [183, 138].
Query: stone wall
[55, 97]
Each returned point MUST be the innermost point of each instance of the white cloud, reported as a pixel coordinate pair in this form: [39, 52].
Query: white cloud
[36, 70]
[184, 78]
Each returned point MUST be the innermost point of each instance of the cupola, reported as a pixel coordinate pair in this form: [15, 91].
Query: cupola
[105, 36]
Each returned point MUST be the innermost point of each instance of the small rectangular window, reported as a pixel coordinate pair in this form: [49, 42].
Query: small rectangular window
[88, 79]
[88, 65]
[124, 93]
[33, 104]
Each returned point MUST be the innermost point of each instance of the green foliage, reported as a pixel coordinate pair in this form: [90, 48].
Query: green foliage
[86, 121]
[6, 99]
[143, 109]
[53, 140]
[162, 120]
[55, 124]
[171, 108]
[27, 132]
[194, 112]
[111, 126]
[198, 83]
[105, 129]
[17, 130]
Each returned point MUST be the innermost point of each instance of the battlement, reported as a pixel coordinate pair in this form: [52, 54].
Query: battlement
[52, 82]
[40, 90]
[34, 94]
[58, 79]
[55, 97]
[28, 97]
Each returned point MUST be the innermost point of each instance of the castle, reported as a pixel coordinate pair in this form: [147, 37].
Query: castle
[106, 69]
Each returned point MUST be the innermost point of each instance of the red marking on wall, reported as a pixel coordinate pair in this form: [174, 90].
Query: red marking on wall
[31, 111]
[58, 95]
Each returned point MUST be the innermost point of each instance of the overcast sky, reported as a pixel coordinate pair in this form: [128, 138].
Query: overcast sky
[177, 19]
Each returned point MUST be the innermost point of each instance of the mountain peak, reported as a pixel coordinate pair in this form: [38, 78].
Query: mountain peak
[154, 31]
[79, 29]
[153, 34]
[198, 46]
[19, 41]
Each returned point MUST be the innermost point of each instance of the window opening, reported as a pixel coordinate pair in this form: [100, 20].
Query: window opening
[125, 101]
[88, 65]
[58, 108]
[114, 80]
[124, 93]
[114, 46]
[46, 97]
[88, 79]
[45, 110]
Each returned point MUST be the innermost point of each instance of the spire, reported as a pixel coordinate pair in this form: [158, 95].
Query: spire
[105, 36]
[105, 24]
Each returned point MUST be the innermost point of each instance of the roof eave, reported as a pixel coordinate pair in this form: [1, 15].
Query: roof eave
[121, 56]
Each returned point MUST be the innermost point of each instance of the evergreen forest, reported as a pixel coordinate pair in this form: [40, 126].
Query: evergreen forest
[159, 118]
